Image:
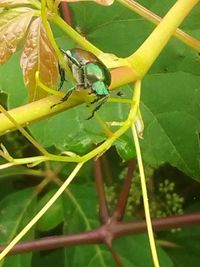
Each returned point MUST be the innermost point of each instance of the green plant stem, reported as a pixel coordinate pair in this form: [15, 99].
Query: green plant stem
[145, 198]
[150, 16]
[147, 53]
[35, 111]
[75, 35]
[36, 4]
[98, 150]
[24, 132]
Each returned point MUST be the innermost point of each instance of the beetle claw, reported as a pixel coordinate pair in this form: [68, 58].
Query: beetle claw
[65, 98]
[101, 99]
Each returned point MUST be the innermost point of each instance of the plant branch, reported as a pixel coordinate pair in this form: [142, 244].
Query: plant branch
[24, 132]
[66, 14]
[116, 229]
[107, 169]
[123, 198]
[115, 255]
[103, 208]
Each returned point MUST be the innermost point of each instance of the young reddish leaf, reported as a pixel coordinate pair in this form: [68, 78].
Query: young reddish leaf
[38, 55]
[13, 26]
[100, 2]
[6, 3]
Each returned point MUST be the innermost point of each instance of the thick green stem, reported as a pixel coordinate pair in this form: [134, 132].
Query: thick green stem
[147, 53]
[35, 111]
[95, 152]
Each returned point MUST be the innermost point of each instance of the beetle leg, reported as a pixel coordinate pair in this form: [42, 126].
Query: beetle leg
[71, 58]
[99, 98]
[96, 100]
[101, 101]
[62, 77]
[120, 94]
[65, 97]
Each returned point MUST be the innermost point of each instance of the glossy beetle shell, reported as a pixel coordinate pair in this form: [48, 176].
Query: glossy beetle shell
[79, 56]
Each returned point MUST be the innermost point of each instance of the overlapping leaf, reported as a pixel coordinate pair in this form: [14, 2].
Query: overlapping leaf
[38, 55]
[13, 26]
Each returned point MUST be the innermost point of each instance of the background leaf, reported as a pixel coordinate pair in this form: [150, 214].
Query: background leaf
[172, 121]
[16, 209]
[54, 215]
[14, 88]
[187, 250]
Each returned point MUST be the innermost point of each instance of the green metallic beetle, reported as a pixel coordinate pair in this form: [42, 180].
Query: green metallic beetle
[88, 72]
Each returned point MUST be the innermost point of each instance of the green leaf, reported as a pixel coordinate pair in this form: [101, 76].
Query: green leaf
[178, 57]
[113, 29]
[17, 93]
[172, 121]
[81, 214]
[16, 210]
[53, 216]
[161, 8]
[65, 131]
[187, 250]
[50, 259]
[125, 147]
[135, 251]
[12, 172]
